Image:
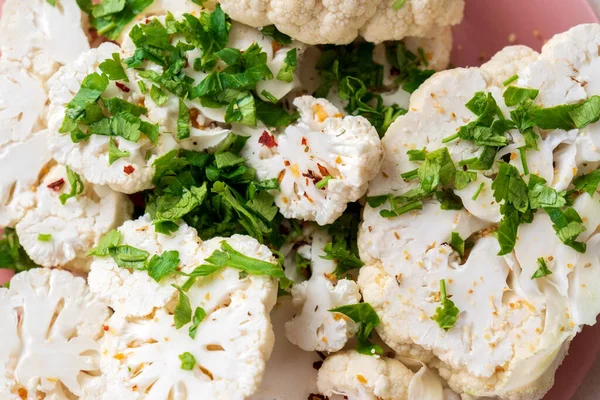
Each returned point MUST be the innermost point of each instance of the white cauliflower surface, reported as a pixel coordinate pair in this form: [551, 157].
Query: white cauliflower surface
[90, 158]
[73, 228]
[512, 328]
[314, 327]
[46, 313]
[340, 22]
[40, 35]
[323, 143]
[361, 377]
[140, 355]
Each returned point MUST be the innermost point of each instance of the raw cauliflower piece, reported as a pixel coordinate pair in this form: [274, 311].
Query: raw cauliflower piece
[205, 131]
[323, 143]
[90, 157]
[75, 227]
[340, 22]
[291, 373]
[22, 103]
[422, 18]
[42, 36]
[433, 116]
[46, 313]
[140, 355]
[314, 327]
[362, 377]
[508, 62]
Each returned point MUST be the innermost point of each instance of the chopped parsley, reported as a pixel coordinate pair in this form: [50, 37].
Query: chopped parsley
[364, 315]
[163, 265]
[183, 310]
[398, 4]
[447, 313]
[111, 17]
[188, 361]
[542, 270]
[457, 243]
[199, 315]
[76, 183]
[343, 249]
[286, 73]
[272, 32]
[44, 237]
[12, 255]
[510, 80]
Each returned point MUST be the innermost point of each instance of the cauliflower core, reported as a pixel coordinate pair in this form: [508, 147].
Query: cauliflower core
[340, 22]
[90, 158]
[40, 35]
[140, 355]
[512, 331]
[323, 162]
[314, 327]
[51, 331]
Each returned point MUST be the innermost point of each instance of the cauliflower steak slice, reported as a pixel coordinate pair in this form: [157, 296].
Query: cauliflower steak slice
[142, 349]
[48, 313]
[322, 163]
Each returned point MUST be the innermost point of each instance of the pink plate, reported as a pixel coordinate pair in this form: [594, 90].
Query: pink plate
[490, 25]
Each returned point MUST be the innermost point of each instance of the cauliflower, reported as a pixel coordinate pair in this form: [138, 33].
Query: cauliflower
[142, 349]
[74, 227]
[323, 162]
[314, 327]
[508, 62]
[361, 377]
[46, 313]
[40, 35]
[512, 328]
[206, 129]
[90, 158]
[291, 373]
[322, 22]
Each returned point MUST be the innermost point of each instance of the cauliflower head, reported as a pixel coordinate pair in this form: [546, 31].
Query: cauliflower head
[44, 313]
[314, 327]
[508, 62]
[74, 227]
[340, 22]
[361, 377]
[42, 36]
[132, 171]
[323, 162]
[140, 355]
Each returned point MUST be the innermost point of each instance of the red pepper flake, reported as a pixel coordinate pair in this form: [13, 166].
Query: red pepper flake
[122, 87]
[323, 170]
[56, 186]
[106, 327]
[286, 163]
[311, 175]
[303, 141]
[128, 169]
[267, 139]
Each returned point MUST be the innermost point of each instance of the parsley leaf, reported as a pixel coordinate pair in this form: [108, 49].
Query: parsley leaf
[514, 95]
[110, 239]
[112, 16]
[447, 313]
[129, 257]
[188, 361]
[272, 32]
[286, 73]
[568, 225]
[457, 243]
[364, 315]
[162, 265]
[588, 183]
[183, 121]
[114, 153]
[542, 270]
[183, 310]
[398, 4]
[199, 315]
[76, 183]
[114, 69]
[274, 116]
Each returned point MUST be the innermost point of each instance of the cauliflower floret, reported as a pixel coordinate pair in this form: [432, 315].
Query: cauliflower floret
[205, 131]
[322, 144]
[90, 158]
[290, 374]
[74, 227]
[362, 377]
[22, 103]
[508, 62]
[140, 355]
[314, 327]
[424, 18]
[46, 313]
[321, 22]
[40, 35]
